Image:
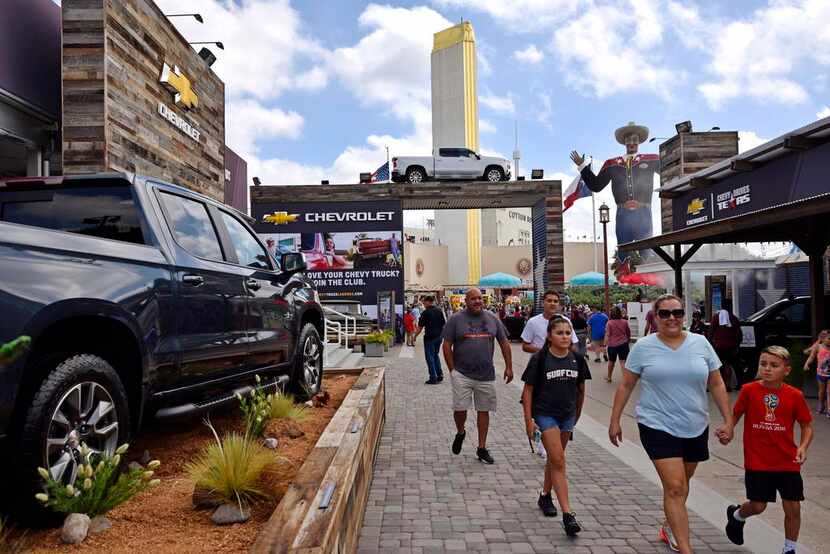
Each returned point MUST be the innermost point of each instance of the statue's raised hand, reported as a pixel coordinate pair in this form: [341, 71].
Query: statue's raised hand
[577, 158]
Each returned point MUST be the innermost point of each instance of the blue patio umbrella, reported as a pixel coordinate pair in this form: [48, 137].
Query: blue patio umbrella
[591, 278]
[499, 280]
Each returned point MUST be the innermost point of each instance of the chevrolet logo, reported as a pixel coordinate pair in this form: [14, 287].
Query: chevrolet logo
[180, 86]
[696, 206]
[280, 218]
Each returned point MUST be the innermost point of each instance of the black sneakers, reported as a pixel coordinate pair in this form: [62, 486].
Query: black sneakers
[734, 528]
[430, 382]
[458, 441]
[570, 523]
[484, 455]
[546, 505]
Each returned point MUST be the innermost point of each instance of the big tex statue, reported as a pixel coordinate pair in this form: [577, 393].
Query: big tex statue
[632, 182]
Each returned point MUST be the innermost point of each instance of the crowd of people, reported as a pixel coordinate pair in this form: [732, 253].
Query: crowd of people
[676, 371]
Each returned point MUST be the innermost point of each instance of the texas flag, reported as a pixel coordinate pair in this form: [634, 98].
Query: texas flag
[576, 190]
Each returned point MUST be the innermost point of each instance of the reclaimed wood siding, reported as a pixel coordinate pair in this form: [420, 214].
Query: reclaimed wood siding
[115, 50]
[688, 153]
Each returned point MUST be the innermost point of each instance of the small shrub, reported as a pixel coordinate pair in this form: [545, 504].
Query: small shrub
[99, 486]
[12, 542]
[10, 351]
[231, 467]
[284, 407]
[256, 410]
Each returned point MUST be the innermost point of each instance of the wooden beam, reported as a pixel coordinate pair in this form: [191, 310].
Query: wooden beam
[678, 271]
[699, 182]
[799, 142]
[664, 255]
[742, 165]
[690, 252]
[669, 194]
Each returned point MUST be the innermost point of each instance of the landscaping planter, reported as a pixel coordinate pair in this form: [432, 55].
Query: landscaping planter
[339, 467]
[373, 350]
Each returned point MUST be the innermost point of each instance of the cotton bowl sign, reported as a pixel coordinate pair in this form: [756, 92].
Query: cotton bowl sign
[353, 249]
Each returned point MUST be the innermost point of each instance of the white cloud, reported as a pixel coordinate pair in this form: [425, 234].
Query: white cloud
[248, 121]
[545, 112]
[531, 55]
[747, 140]
[520, 15]
[265, 43]
[502, 104]
[756, 57]
[609, 49]
[485, 126]
[824, 112]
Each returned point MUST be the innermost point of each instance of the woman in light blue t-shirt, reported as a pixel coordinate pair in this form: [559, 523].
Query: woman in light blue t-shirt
[674, 369]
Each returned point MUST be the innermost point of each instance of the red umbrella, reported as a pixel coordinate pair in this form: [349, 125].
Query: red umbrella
[641, 279]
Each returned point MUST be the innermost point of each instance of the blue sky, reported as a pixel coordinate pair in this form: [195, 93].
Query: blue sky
[316, 89]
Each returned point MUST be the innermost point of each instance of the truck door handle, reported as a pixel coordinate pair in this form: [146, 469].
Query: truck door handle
[195, 280]
[252, 284]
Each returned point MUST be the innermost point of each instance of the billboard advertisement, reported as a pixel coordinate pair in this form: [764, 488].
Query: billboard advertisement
[353, 250]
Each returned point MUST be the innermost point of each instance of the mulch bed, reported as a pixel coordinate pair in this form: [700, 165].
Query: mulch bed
[163, 519]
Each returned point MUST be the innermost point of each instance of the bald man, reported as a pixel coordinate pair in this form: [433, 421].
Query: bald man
[469, 343]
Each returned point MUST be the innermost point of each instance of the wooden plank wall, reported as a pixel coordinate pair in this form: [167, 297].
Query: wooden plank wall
[340, 457]
[113, 55]
[688, 153]
[554, 233]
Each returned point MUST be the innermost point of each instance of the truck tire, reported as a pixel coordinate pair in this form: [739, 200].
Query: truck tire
[494, 174]
[82, 400]
[307, 378]
[415, 175]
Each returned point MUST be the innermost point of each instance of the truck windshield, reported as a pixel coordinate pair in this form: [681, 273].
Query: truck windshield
[105, 212]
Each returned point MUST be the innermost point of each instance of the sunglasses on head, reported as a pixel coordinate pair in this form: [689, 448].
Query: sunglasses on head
[664, 314]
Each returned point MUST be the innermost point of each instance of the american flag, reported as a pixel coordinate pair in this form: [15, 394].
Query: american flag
[381, 174]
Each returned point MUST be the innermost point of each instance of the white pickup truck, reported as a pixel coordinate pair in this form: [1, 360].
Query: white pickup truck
[450, 163]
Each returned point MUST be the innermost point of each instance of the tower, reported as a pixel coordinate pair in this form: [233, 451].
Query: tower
[455, 125]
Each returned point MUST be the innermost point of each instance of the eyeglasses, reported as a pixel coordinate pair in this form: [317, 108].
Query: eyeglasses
[665, 314]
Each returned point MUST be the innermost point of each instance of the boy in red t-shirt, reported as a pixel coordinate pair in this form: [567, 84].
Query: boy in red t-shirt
[771, 458]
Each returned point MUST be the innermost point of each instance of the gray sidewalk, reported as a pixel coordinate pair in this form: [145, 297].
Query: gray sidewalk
[424, 499]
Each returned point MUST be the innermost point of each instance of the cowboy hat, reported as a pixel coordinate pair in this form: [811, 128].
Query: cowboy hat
[631, 129]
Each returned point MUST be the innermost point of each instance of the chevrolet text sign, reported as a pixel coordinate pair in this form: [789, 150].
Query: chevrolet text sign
[348, 216]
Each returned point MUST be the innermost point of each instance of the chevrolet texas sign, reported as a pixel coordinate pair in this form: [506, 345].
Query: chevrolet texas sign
[183, 95]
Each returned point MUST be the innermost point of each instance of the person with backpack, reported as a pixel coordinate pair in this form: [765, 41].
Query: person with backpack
[552, 400]
[726, 337]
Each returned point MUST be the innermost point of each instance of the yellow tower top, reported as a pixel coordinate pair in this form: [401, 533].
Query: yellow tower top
[463, 32]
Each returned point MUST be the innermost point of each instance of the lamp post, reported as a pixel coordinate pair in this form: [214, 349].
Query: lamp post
[604, 218]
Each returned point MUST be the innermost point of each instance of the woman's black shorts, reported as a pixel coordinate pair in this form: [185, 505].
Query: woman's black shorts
[620, 351]
[660, 445]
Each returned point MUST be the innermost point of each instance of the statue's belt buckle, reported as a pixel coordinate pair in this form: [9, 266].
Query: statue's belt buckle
[631, 205]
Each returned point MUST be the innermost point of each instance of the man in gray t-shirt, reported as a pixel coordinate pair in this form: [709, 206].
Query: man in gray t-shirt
[469, 343]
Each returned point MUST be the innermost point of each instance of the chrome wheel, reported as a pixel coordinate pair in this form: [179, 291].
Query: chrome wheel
[494, 175]
[86, 414]
[416, 177]
[311, 362]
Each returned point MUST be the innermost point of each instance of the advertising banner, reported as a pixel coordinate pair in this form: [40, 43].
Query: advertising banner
[353, 249]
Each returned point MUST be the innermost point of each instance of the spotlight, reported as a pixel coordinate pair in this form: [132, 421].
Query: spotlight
[195, 16]
[365, 177]
[324, 182]
[537, 173]
[207, 55]
[683, 127]
[257, 182]
[219, 45]
[520, 178]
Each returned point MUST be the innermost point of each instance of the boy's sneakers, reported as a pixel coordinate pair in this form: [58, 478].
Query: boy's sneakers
[665, 534]
[484, 455]
[570, 523]
[458, 441]
[734, 528]
[546, 505]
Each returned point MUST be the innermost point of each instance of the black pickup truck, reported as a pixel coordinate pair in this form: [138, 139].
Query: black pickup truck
[142, 299]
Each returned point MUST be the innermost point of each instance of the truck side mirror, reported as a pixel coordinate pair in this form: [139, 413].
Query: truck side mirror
[478, 157]
[292, 262]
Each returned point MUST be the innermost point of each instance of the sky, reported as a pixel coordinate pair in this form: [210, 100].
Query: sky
[317, 90]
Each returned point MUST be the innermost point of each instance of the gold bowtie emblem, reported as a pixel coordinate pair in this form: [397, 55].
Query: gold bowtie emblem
[178, 84]
[280, 218]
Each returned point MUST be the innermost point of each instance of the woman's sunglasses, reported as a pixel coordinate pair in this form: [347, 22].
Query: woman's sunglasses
[664, 314]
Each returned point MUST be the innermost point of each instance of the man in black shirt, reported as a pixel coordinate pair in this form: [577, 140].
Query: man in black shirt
[432, 319]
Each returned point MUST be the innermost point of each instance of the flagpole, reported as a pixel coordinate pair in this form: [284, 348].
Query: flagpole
[388, 167]
[594, 219]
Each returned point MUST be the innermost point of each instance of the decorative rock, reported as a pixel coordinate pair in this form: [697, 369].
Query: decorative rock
[271, 443]
[99, 524]
[294, 432]
[203, 498]
[227, 514]
[135, 465]
[145, 458]
[75, 528]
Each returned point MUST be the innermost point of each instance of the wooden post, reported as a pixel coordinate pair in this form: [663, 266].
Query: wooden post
[817, 288]
[678, 271]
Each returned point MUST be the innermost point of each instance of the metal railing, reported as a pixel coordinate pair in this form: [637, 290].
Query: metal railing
[339, 329]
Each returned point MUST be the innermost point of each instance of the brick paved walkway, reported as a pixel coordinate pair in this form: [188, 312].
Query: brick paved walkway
[425, 499]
